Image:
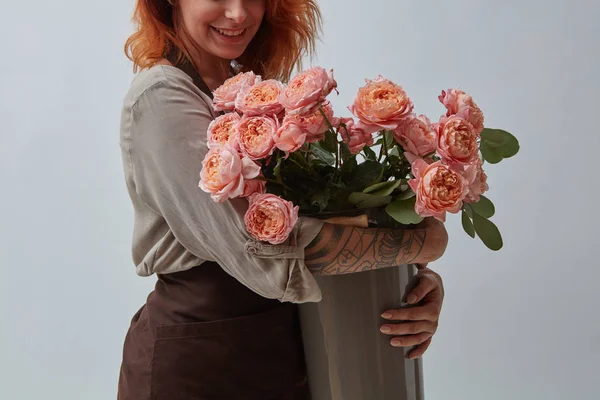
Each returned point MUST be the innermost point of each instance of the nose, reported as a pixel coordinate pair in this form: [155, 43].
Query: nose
[236, 11]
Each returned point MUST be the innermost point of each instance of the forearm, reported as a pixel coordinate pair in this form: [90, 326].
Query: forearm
[346, 249]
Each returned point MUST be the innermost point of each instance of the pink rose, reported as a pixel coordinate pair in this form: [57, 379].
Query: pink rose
[416, 135]
[224, 172]
[355, 137]
[306, 90]
[381, 104]
[224, 96]
[260, 99]
[222, 130]
[459, 103]
[252, 186]
[439, 189]
[290, 136]
[313, 123]
[270, 218]
[478, 186]
[457, 140]
[255, 136]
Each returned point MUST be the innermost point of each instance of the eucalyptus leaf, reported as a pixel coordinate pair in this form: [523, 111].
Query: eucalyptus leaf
[369, 154]
[348, 169]
[467, 208]
[484, 207]
[488, 232]
[389, 139]
[498, 144]
[493, 137]
[321, 199]
[407, 194]
[298, 158]
[383, 188]
[511, 144]
[395, 152]
[394, 160]
[357, 197]
[364, 200]
[468, 224]
[490, 154]
[404, 212]
[330, 142]
[345, 151]
[366, 173]
[320, 153]
[375, 202]
[277, 169]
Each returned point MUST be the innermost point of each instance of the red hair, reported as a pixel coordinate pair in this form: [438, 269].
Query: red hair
[288, 31]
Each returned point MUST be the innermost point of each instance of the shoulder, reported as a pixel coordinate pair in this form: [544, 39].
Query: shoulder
[162, 85]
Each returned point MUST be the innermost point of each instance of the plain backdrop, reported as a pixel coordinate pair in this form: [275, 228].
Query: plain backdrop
[522, 323]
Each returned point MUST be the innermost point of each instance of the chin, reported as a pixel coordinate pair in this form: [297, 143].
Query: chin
[228, 54]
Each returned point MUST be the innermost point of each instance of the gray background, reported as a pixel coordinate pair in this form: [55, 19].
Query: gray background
[521, 323]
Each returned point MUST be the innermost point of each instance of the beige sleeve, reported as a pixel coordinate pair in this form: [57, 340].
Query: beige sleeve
[168, 144]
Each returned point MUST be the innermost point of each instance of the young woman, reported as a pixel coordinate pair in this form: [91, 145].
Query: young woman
[222, 321]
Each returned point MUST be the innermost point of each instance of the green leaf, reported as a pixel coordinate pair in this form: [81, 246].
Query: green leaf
[369, 154]
[330, 142]
[298, 158]
[511, 145]
[322, 154]
[404, 212]
[493, 137]
[383, 188]
[468, 224]
[406, 195]
[366, 173]
[321, 198]
[364, 200]
[277, 169]
[345, 152]
[395, 152]
[394, 160]
[375, 202]
[348, 168]
[484, 207]
[357, 197]
[498, 144]
[491, 155]
[488, 232]
[389, 139]
[468, 209]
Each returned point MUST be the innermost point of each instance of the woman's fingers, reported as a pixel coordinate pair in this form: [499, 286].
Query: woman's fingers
[411, 340]
[409, 328]
[428, 312]
[419, 350]
[427, 284]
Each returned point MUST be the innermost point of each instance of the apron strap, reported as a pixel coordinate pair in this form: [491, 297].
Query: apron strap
[188, 68]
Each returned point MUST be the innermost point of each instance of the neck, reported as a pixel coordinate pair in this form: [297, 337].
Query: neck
[213, 70]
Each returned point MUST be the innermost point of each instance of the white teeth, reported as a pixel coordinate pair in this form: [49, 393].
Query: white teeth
[230, 33]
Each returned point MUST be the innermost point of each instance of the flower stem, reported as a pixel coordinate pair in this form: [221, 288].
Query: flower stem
[326, 119]
[279, 183]
[337, 155]
[385, 148]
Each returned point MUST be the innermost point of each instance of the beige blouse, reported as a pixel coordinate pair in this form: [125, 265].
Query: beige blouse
[177, 226]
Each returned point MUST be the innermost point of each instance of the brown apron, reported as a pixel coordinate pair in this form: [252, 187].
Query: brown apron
[202, 335]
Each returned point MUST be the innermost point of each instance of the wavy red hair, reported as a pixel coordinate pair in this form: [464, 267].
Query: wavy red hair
[289, 31]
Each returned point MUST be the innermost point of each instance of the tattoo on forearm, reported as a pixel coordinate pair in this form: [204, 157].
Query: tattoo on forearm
[342, 249]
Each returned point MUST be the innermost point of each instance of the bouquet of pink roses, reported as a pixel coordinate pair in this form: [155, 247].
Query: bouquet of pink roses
[282, 147]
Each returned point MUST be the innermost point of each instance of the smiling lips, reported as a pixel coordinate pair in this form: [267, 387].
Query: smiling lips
[229, 32]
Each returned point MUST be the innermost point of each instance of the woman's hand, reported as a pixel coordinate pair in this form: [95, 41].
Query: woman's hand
[419, 322]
